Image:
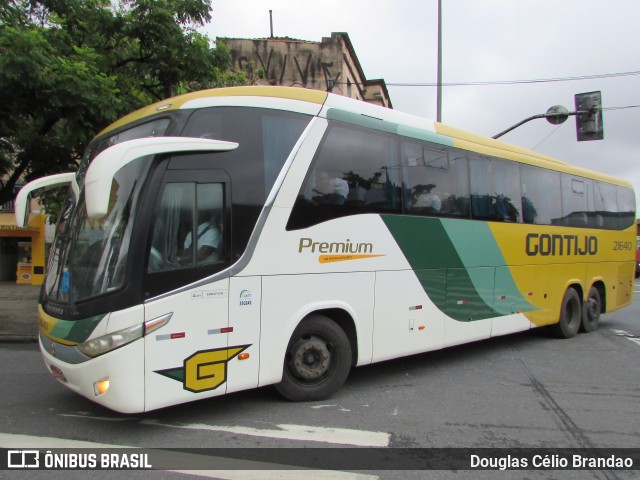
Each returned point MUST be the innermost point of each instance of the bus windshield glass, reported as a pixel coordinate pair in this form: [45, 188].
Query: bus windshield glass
[89, 256]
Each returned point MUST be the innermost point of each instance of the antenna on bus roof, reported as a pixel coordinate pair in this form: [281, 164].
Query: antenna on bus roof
[271, 21]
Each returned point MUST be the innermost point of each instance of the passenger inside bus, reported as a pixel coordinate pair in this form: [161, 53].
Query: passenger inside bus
[329, 190]
[185, 211]
[426, 200]
[208, 240]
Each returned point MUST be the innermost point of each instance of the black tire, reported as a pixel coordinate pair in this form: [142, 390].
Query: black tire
[317, 361]
[570, 315]
[591, 311]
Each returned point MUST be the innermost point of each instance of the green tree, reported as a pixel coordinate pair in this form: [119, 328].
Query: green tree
[68, 68]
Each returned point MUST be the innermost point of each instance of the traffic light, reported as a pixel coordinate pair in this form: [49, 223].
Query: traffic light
[589, 116]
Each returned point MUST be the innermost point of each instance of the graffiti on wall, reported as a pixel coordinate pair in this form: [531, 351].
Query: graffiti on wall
[290, 70]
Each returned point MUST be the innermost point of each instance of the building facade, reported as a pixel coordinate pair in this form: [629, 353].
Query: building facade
[22, 250]
[330, 65]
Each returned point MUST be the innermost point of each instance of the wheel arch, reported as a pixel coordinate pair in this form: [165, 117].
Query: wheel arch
[577, 286]
[345, 321]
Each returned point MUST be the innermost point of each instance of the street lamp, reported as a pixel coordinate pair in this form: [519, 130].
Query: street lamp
[588, 115]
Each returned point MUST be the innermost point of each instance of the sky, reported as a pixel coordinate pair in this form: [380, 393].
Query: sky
[483, 41]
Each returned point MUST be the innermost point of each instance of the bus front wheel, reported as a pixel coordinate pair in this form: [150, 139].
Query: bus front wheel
[317, 361]
[570, 315]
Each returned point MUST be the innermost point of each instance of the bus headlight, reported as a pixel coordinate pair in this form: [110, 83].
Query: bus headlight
[110, 341]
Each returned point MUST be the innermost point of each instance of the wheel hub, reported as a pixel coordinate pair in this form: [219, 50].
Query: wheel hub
[311, 358]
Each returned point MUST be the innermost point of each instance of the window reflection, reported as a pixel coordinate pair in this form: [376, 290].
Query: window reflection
[355, 171]
[435, 180]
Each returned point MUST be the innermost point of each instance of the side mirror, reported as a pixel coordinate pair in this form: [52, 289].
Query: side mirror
[47, 183]
[103, 168]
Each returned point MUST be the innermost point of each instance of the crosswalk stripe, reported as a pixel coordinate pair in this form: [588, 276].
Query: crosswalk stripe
[339, 436]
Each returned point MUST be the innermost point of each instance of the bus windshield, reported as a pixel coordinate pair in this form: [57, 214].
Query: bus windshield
[89, 256]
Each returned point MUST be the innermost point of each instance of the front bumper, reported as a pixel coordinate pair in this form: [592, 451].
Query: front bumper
[123, 368]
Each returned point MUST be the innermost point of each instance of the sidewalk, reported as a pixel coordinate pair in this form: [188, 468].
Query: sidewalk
[18, 312]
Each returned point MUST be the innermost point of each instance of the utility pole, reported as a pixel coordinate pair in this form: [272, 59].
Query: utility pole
[439, 92]
[271, 21]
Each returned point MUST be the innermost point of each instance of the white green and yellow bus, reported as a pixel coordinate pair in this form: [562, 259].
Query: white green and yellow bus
[239, 237]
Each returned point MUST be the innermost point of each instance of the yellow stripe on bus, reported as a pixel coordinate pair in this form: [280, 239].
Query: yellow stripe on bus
[344, 258]
[47, 323]
[489, 146]
[302, 94]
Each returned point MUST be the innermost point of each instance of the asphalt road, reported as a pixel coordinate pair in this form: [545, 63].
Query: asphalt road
[520, 391]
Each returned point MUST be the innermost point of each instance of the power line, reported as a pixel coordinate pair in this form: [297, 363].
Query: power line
[515, 82]
[620, 108]
[547, 137]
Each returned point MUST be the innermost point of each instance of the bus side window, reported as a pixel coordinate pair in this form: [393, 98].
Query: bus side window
[424, 171]
[188, 227]
[541, 199]
[495, 189]
[327, 188]
[354, 171]
[575, 201]
[606, 205]
[626, 207]
[435, 180]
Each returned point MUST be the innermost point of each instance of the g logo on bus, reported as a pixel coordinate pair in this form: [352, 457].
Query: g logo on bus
[204, 370]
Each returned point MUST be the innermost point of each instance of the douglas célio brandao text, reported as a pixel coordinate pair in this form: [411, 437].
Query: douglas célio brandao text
[551, 461]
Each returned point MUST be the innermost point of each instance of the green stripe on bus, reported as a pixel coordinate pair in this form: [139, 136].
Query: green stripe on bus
[426, 135]
[476, 245]
[389, 127]
[75, 330]
[459, 265]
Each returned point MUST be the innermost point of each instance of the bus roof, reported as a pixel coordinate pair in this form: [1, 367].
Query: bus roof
[359, 112]
[405, 124]
[490, 146]
[175, 103]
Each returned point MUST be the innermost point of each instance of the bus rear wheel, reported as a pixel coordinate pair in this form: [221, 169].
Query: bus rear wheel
[317, 361]
[591, 311]
[570, 315]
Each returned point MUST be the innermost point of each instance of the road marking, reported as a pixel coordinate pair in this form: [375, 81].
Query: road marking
[621, 333]
[261, 470]
[305, 433]
[339, 407]
[14, 440]
[102, 419]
